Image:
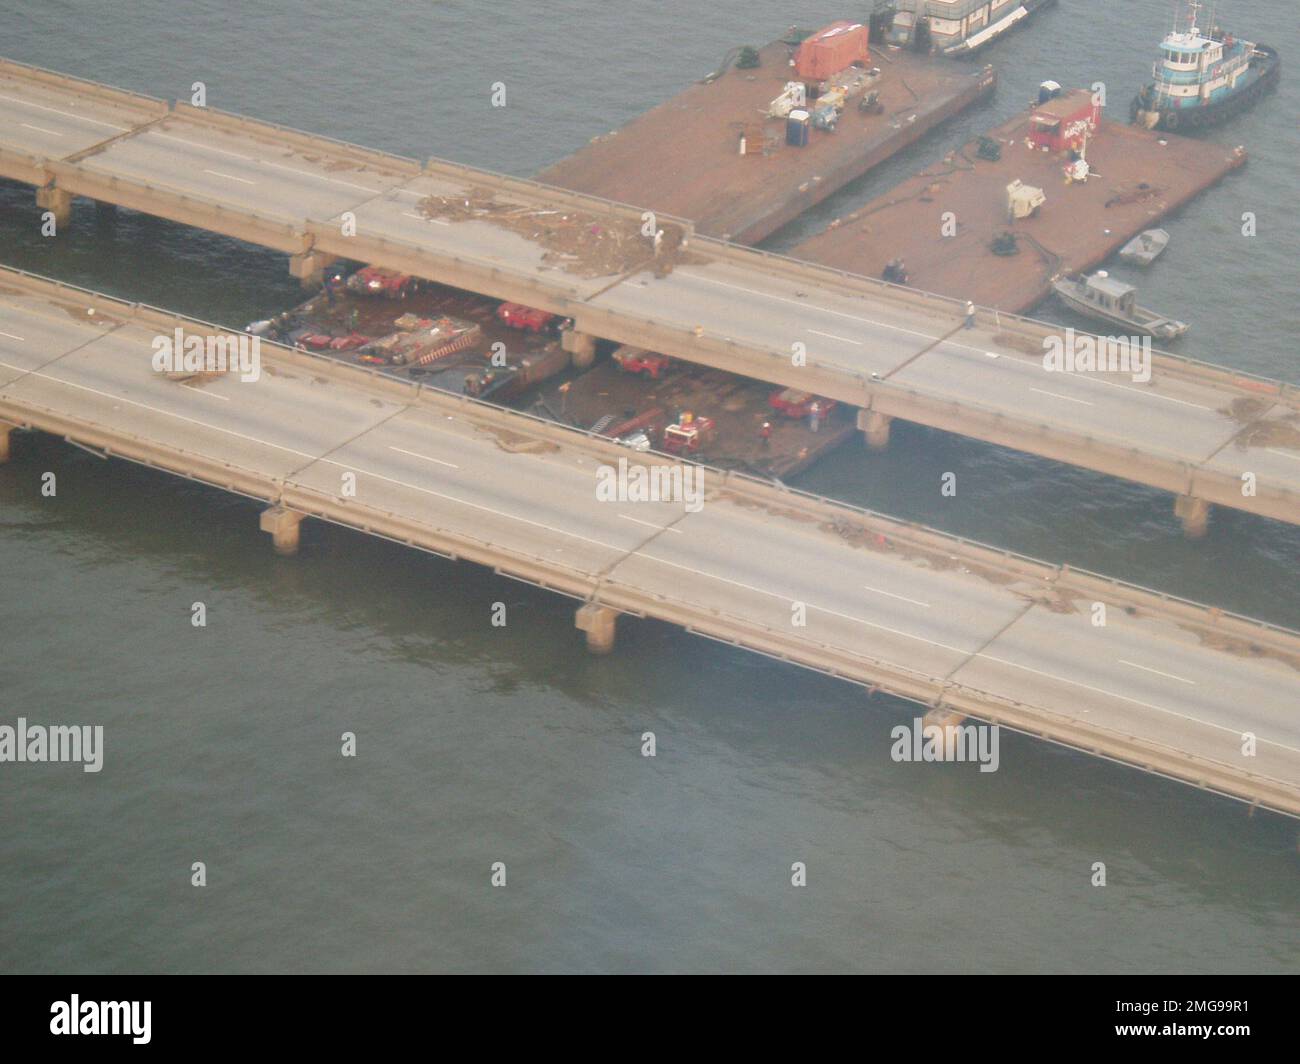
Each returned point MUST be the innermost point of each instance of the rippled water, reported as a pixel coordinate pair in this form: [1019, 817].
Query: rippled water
[481, 744]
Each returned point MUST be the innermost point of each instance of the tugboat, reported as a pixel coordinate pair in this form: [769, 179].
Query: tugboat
[1203, 79]
[1105, 299]
[957, 28]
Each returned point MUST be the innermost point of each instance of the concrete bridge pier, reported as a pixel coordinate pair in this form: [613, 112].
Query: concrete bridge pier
[51, 198]
[1194, 514]
[598, 622]
[283, 524]
[581, 346]
[309, 267]
[948, 720]
[875, 427]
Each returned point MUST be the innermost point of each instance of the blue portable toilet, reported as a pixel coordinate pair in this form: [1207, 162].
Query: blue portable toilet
[796, 129]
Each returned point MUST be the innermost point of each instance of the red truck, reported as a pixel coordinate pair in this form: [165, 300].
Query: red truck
[529, 319]
[688, 435]
[790, 402]
[376, 281]
[635, 360]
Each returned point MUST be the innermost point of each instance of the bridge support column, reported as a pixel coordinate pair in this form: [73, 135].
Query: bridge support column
[581, 346]
[947, 720]
[309, 267]
[875, 427]
[5, 432]
[1194, 513]
[598, 622]
[283, 524]
[57, 200]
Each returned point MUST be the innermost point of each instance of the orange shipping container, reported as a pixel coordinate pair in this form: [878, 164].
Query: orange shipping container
[830, 50]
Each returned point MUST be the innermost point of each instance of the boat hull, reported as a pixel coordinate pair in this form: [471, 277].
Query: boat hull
[1082, 307]
[965, 50]
[1190, 119]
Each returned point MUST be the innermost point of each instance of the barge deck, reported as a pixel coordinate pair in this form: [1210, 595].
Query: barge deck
[1137, 178]
[682, 158]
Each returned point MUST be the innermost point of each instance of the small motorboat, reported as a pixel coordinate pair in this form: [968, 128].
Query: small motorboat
[1145, 248]
[1114, 302]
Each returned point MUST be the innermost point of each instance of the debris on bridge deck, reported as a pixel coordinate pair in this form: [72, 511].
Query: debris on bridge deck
[576, 241]
[684, 157]
[1133, 178]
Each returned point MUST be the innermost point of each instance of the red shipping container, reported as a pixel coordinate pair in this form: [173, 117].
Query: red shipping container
[830, 50]
[1065, 121]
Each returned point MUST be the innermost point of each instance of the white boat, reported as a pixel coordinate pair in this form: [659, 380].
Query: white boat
[1114, 302]
[956, 27]
[1145, 248]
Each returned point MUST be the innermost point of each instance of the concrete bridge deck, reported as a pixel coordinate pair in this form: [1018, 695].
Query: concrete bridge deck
[1165, 685]
[1207, 434]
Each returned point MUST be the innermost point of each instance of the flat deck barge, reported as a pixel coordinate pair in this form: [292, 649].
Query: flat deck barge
[682, 158]
[1137, 177]
[537, 376]
[606, 396]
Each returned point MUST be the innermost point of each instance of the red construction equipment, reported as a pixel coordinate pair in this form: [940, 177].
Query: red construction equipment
[377, 281]
[790, 402]
[688, 435]
[637, 360]
[518, 316]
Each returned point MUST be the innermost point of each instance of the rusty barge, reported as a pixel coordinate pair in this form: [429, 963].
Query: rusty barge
[1054, 191]
[684, 157]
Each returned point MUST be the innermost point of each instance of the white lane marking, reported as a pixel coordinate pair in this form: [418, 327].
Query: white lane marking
[1141, 393]
[808, 306]
[1283, 454]
[927, 336]
[11, 336]
[650, 524]
[230, 177]
[1167, 675]
[157, 410]
[65, 114]
[1135, 701]
[422, 218]
[832, 336]
[267, 162]
[1089, 687]
[322, 177]
[466, 502]
[901, 598]
[204, 391]
[810, 605]
[203, 147]
[427, 458]
[317, 458]
[40, 129]
[1067, 398]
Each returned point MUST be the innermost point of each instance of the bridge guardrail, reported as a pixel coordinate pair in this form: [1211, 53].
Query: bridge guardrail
[14, 68]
